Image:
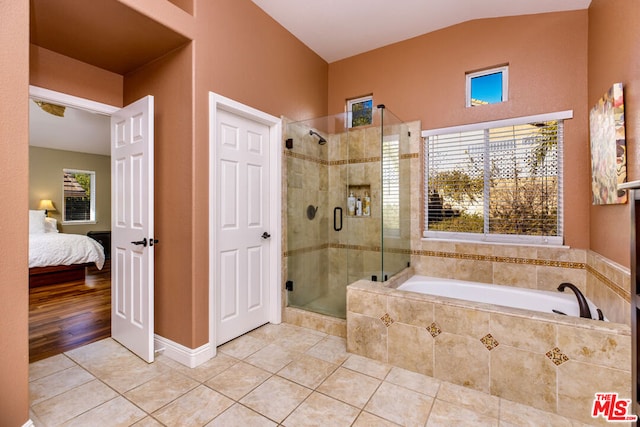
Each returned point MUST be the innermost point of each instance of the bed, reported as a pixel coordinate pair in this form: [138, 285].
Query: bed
[58, 257]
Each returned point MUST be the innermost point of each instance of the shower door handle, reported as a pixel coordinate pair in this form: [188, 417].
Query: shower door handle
[335, 218]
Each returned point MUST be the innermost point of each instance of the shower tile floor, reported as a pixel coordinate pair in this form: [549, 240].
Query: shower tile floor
[275, 375]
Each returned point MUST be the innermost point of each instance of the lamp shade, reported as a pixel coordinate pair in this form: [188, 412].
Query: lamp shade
[47, 205]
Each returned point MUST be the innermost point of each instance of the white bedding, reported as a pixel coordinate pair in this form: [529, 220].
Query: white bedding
[47, 249]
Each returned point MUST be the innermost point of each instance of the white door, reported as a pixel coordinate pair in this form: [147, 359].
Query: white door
[132, 239]
[242, 233]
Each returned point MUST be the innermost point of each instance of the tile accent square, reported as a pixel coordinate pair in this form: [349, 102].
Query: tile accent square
[557, 356]
[489, 342]
[434, 329]
[387, 320]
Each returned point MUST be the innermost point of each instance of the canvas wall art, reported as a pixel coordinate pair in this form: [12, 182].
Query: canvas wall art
[608, 148]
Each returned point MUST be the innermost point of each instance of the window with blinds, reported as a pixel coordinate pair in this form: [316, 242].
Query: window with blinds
[500, 181]
[391, 185]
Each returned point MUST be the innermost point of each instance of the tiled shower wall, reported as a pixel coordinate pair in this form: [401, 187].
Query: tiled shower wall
[316, 257]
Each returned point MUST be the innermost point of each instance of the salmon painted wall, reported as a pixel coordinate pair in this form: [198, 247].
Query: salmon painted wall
[14, 187]
[169, 80]
[243, 54]
[424, 79]
[57, 72]
[614, 37]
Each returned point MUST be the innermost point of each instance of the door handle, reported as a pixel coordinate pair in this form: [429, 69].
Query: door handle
[335, 218]
[265, 235]
[142, 242]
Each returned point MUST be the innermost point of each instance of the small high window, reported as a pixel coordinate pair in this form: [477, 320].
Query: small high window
[487, 86]
[79, 200]
[360, 111]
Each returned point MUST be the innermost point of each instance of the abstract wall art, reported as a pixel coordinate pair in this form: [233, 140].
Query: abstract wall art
[608, 148]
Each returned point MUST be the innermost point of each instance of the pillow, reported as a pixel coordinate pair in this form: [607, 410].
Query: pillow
[50, 225]
[36, 222]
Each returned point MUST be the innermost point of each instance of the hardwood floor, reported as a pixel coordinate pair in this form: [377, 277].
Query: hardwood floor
[68, 315]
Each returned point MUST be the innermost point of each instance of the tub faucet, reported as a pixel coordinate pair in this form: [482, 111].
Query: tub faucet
[582, 301]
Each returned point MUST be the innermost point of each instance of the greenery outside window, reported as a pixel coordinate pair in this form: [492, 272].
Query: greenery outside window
[79, 196]
[498, 181]
[360, 111]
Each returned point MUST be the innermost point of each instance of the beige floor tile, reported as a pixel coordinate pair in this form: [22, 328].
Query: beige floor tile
[400, 405]
[522, 415]
[474, 400]
[116, 412]
[300, 340]
[205, 371]
[271, 358]
[366, 366]
[332, 349]
[96, 352]
[276, 398]
[49, 366]
[148, 422]
[414, 381]
[161, 390]
[369, 420]
[65, 406]
[320, 410]
[196, 408]
[58, 383]
[240, 416]
[308, 371]
[243, 346]
[272, 332]
[348, 386]
[125, 372]
[238, 380]
[447, 414]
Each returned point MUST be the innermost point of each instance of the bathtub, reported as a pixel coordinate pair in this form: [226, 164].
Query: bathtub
[509, 296]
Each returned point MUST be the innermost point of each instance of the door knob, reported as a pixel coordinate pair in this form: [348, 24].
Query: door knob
[142, 242]
[265, 235]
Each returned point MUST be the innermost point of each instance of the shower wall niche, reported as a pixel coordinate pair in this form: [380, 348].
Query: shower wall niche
[326, 253]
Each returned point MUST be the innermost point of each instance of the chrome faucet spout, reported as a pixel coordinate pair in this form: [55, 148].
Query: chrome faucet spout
[582, 301]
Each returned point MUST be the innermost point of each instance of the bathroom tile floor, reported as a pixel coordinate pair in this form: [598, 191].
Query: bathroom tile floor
[275, 375]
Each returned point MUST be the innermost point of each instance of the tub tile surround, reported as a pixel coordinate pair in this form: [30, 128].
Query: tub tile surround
[553, 363]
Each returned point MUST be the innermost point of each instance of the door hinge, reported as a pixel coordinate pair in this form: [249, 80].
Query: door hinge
[289, 285]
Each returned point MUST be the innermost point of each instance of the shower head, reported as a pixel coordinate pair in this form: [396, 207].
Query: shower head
[322, 141]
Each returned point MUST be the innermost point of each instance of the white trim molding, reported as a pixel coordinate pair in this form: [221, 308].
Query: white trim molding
[48, 95]
[191, 357]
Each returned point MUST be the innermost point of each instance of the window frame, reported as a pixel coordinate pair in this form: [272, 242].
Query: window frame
[487, 237]
[92, 201]
[504, 69]
[351, 102]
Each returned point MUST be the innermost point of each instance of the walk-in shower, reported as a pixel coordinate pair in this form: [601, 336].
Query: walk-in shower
[357, 182]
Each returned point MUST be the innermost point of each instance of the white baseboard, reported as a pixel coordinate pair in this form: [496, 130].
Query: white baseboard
[29, 424]
[191, 357]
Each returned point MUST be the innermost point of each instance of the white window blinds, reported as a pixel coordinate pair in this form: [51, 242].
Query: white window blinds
[391, 185]
[501, 181]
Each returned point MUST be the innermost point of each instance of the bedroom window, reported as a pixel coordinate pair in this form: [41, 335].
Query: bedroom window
[496, 181]
[79, 201]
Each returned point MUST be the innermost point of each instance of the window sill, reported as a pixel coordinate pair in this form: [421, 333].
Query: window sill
[79, 222]
[485, 241]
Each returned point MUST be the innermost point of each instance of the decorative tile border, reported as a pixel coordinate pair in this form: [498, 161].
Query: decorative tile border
[306, 157]
[609, 283]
